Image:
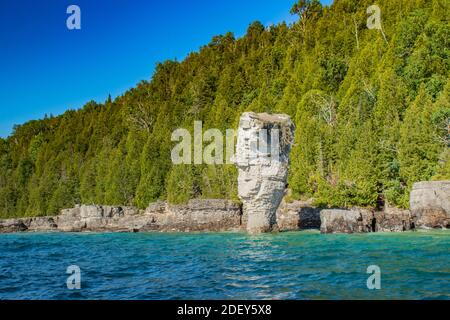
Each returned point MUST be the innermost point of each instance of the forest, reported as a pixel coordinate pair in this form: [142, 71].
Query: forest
[371, 109]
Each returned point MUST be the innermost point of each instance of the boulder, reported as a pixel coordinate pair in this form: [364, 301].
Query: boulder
[91, 212]
[393, 220]
[262, 157]
[347, 221]
[13, 225]
[430, 204]
[297, 215]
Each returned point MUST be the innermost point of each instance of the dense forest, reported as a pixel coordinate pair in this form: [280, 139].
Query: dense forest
[371, 108]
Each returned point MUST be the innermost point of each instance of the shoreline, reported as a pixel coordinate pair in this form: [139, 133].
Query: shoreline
[423, 231]
[217, 216]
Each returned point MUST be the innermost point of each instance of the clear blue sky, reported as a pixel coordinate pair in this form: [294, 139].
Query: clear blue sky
[46, 68]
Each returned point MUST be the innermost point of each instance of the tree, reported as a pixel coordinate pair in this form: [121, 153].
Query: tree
[306, 9]
[371, 118]
[180, 184]
[418, 150]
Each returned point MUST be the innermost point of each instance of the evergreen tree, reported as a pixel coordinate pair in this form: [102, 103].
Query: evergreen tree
[371, 114]
[418, 150]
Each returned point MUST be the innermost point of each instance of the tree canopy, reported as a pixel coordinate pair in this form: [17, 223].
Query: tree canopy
[372, 115]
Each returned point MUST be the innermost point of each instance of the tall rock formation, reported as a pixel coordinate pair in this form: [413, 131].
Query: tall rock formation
[262, 157]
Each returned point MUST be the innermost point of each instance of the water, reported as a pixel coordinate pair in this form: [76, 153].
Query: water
[302, 265]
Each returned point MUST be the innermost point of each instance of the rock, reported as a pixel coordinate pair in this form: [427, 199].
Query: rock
[133, 223]
[130, 211]
[110, 212]
[70, 220]
[430, 204]
[202, 215]
[429, 209]
[297, 216]
[93, 217]
[157, 207]
[393, 220]
[42, 224]
[91, 212]
[196, 215]
[347, 221]
[12, 225]
[262, 157]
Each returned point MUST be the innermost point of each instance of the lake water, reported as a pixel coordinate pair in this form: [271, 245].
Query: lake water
[301, 265]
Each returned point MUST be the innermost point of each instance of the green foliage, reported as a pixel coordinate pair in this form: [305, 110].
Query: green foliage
[181, 184]
[372, 116]
[418, 149]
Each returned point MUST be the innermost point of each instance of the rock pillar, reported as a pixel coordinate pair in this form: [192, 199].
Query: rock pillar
[262, 157]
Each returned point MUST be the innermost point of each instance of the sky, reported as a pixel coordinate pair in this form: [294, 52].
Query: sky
[45, 68]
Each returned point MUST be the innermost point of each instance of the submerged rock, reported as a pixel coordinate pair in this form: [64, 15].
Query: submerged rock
[430, 204]
[262, 157]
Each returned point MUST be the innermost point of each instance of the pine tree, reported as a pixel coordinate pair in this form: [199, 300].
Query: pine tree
[371, 115]
[418, 150]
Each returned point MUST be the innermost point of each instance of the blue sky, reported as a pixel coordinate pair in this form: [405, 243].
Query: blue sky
[46, 68]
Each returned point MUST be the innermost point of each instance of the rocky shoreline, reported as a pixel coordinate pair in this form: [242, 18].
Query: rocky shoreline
[197, 215]
[430, 208]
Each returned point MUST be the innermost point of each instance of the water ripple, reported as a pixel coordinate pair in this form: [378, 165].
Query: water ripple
[303, 265]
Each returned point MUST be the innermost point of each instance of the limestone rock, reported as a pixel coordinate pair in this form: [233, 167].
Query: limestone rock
[12, 225]
[393, 220]
[203, 215]
[297, 215]
[197, 215]
[347, 221]
[157, 207]
[429, 209]
[70, 220]
[262, 157]
[42, 224]
[430, 204]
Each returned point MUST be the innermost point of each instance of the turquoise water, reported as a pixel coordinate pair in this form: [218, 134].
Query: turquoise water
[302, 265]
